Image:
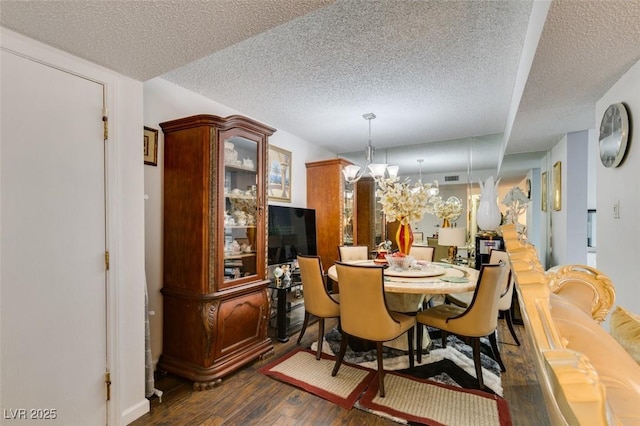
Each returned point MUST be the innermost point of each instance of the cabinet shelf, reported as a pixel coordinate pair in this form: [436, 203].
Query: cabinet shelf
[240, 169]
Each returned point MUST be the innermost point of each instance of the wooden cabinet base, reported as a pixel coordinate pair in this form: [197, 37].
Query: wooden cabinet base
[208, 378]
[210, 336]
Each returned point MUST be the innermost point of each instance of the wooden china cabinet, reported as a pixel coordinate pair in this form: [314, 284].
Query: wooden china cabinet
[346, 214]
[334, 203]
[216, 305]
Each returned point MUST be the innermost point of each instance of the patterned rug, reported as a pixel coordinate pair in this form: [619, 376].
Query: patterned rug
[452, 365]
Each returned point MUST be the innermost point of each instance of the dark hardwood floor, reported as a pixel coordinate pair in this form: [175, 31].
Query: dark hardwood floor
[247, 397]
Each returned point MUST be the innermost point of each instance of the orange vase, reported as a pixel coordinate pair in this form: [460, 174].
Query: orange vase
[404, 237]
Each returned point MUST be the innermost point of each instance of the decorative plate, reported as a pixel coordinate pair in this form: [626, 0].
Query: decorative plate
[432, 271]
[455, 279]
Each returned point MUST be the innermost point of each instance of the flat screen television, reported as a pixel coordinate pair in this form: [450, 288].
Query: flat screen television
[292, 231]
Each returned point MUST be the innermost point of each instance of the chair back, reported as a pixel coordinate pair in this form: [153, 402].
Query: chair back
[481, 317]
[317, 300]
[423, 253]
[508, 282]
[441, 252]
[363, 309]
[349, 253]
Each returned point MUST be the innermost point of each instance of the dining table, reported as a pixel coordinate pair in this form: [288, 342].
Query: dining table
[406, 290]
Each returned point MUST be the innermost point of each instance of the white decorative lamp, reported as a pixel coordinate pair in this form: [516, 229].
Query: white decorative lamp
[454, 238]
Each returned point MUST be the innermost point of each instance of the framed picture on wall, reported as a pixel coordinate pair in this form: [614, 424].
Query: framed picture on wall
[543, 195]
[150, 146]
[557, 186]
[279, 172]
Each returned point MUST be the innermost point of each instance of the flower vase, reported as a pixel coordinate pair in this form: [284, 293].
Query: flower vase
[404, 237]
[488, 216]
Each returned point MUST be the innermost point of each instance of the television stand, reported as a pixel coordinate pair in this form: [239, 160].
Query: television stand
[289, 306]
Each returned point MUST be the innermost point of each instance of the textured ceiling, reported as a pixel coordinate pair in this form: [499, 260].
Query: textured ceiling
[144, 39]
[440, 75]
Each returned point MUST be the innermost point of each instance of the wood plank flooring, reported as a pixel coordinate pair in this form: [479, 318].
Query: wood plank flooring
[247, 397]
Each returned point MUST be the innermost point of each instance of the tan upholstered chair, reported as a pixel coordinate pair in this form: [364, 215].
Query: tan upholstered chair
[506, 292]
[442, 252]
[349, 253]
[423, 253]
[317, 300]
[478, 320]
[586, 287]
[364, 313]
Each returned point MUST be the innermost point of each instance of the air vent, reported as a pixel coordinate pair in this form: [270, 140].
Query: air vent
[451, 178]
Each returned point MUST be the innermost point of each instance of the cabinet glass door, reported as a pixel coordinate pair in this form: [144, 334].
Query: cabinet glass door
[240, 208]
[348, 209]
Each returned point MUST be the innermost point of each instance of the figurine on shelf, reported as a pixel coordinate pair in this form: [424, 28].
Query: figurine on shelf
[287, 274]
[277, 273]
[382, 250]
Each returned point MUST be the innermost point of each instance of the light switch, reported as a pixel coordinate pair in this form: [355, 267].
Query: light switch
[616, 209]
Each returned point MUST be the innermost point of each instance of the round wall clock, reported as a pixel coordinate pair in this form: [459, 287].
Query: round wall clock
[614, 133]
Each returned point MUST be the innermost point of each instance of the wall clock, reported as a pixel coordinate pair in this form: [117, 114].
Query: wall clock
[614, 134]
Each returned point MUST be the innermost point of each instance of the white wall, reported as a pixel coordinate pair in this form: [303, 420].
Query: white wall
[164, 101]
[618, 255]
[125, 287]
[568, 238]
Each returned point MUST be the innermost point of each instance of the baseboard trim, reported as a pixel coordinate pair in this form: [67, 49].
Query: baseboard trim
[135, 411]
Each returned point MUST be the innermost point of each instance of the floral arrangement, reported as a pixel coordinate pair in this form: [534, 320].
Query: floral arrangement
[516, 202]
[449, 210]
[404, 202]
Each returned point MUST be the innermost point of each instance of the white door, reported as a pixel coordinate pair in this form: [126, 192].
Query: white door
[52, 252]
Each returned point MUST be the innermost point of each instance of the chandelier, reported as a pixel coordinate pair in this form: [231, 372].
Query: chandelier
[353, 173]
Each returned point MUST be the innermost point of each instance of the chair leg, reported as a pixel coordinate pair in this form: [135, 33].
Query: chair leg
[320, 337]
[304, 326]
[444, 338]
[380, 369]
[509, 318]
[419, 341]
[343, 349]
[496, 352]
[410, 345]
[476, 361]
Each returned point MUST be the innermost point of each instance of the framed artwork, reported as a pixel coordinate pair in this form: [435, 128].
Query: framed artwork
[543, 196]
[557, 186]
[150, 146]
[279, 174]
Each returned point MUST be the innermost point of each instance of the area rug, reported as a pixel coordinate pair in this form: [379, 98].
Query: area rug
[452, 365]
[408, 399]
[301, 369]
[411, 400]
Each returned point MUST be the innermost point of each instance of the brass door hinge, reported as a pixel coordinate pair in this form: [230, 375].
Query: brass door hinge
[105, 124]
[106, 260]
[107, 381]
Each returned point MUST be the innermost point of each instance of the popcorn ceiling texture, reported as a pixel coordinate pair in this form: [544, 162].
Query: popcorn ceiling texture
[436, 73]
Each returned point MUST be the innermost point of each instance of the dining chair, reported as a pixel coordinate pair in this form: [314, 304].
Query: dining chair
[423, 253]
[506, 293]
[317, 300]
[478, 320]
[364, 313]
[348, 253]
[441, 252]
